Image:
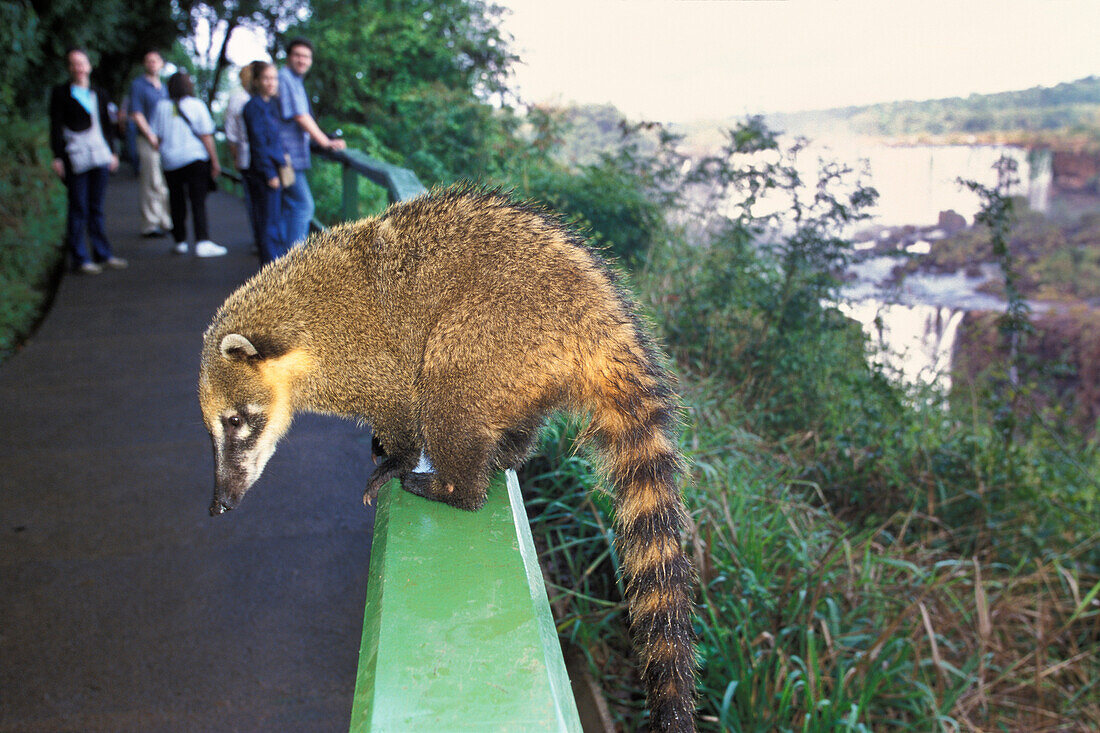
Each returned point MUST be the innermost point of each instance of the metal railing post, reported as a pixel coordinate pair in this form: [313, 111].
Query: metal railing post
[349, 206]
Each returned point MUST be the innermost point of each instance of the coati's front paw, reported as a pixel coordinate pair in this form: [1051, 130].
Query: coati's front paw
[370, 495]
[376, 481]
[390, 468]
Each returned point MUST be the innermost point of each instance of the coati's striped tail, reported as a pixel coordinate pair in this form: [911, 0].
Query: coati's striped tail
[634, 429]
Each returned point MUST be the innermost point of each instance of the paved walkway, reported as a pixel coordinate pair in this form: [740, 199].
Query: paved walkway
[123, 605]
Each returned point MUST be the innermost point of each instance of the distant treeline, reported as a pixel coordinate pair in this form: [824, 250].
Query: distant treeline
[1072, 105]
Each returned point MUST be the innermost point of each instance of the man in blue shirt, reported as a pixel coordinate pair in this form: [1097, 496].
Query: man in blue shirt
[296, 130]
[145, 92]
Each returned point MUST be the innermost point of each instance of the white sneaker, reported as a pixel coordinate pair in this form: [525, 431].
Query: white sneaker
[206, 248]
[180, 248]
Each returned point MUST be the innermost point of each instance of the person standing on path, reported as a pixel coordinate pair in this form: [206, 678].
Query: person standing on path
[145, 92]
[261, 116]
[237, 137]
[185, 129]
[81, 136]
[297, 128]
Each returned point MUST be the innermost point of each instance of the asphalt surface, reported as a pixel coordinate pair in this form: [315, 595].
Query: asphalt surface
[123, 605]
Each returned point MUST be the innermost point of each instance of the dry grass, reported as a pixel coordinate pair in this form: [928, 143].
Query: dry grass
[1037, 635]
[808, 624]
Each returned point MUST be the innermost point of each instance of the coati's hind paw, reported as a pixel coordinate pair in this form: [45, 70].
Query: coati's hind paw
[422, 484]
[429, 486]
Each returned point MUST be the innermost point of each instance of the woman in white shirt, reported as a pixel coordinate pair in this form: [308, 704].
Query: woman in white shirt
[185, 131]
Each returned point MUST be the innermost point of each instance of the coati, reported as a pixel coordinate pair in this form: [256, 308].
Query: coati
[452, 324]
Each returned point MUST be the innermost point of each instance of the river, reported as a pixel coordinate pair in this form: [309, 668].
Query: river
[917, 182]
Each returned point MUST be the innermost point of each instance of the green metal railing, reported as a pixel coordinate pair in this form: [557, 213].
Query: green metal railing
[457, 629]
[458, 633]
[401, 184]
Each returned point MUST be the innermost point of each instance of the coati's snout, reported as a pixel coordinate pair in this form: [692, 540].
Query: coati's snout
[219, 506]
[243, 439]
[229, 487]
[245, 396]
[230, 483]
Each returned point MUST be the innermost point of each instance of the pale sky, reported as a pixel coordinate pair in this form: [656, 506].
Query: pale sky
[681, 60]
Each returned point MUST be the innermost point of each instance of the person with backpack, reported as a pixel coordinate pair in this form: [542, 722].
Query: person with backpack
[184, 130]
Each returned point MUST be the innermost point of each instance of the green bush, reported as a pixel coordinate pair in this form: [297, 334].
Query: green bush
[32, 220]
[618, 216]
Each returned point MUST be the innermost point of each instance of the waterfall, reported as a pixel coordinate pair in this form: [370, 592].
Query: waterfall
[1040, 176]
[915, 341]
[914, 322]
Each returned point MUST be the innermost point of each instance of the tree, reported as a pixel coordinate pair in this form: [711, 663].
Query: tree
[18, 31]
[802, 224]
[116, 35]
[998, 212]
[207, 27]
[420, 74]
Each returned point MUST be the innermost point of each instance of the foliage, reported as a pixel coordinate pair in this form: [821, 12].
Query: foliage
[18, 33]
[603, 201]
[326, 178]
[446, 134]
[116, 34]
[214, 24]
[420, 74]
[593, 130]
[997, 213]
[621, 198]
[869, 558]
[750, 305]
[808, 623]
[1051, 260]
[31, 202]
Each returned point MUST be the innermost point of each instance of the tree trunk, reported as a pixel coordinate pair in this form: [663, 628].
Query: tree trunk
[221, 64]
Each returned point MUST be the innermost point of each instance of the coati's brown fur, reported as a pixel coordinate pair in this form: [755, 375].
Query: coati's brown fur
[453, 324]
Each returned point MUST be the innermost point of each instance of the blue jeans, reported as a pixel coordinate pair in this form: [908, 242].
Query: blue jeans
[86, 192]
[266, 204]
[297, 207]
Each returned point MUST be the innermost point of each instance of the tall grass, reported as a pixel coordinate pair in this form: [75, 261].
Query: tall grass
[808, 623]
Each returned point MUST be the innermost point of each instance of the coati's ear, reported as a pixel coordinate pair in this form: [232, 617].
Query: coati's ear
[236, 347]
[259, 347]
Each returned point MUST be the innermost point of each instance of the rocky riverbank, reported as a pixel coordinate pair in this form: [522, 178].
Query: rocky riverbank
[949, 271]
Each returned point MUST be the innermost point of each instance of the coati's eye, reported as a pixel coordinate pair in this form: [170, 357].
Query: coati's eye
[235, 421]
